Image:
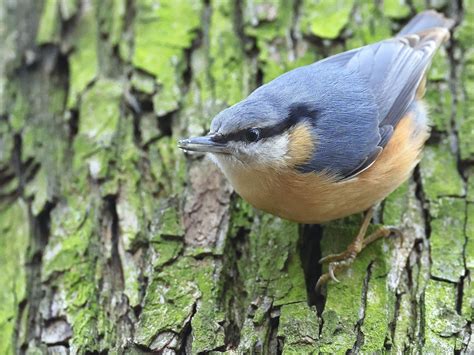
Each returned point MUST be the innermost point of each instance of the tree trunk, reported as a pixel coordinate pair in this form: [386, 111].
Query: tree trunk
[112, 240]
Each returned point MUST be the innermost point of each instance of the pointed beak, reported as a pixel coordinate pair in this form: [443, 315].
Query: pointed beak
[204, 144]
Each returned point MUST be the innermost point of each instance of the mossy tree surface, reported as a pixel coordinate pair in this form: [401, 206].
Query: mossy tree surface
[112, 240]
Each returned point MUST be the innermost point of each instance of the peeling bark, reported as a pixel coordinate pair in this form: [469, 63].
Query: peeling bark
[112, 240]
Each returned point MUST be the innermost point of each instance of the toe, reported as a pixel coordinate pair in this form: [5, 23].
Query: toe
[323, 279]
[333, 257]
[332, 268]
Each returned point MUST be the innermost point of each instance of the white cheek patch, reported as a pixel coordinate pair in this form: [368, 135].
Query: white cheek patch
[269, 151]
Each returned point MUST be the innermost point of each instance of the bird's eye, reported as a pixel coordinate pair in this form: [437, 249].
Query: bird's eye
[252, 135]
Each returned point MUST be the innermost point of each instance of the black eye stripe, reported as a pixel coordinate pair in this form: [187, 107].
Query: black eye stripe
[296, 115]
[265, 132]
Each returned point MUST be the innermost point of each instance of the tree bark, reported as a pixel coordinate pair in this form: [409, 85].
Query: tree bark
[112, 240]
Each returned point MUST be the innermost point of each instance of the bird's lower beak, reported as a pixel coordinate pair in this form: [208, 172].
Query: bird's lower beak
[203, 144]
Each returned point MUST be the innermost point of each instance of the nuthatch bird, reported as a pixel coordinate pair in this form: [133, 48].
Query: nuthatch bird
[333, 138]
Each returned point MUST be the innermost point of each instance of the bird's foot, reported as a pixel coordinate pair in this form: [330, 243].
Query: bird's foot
[338, 262]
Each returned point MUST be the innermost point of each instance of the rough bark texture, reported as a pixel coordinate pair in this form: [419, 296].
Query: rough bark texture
[112, 240]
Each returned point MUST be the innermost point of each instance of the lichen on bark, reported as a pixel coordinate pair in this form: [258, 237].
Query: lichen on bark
[112, 240]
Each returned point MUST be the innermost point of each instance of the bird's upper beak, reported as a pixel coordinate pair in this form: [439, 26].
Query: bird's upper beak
[204, 144]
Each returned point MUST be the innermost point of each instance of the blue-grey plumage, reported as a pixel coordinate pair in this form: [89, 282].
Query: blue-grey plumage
[313, 144]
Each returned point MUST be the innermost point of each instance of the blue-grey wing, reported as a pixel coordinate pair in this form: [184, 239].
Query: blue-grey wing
[386, 75]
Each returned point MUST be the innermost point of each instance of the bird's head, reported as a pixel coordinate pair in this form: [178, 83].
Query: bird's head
[257, 134]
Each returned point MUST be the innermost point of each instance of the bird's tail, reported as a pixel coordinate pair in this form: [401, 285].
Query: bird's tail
[425, 21]
[427, 31]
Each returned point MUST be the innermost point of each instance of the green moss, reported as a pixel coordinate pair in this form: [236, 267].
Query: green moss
[149, 128]
[98, 122]
[270, 22]
[6, 143]
[396, 9]
[404, 324]
[72, 254]
[439, 172]
[100, 110]
[439, 69]
[439, 99]
[129, 211]
[470, 185]
[469, 248]
[252, 339]
[342, 309]
[143, 82]
[274, 237]
[220, 75]
[465, 113]
[299, 328]
[132, 200]
[395, 205]
[447, 234]
[290, 286]
[83, 61]
[442, 321]
[208, 331]
[271, 272]
[20, 109]
[171, 223]
[464, 33]
[325, 19]
[38, 189]
[273, 263]
[68, 8]
[70, 235]
[342, 306]
[227, 67]
[198, 105]
[166, 251]
[48, 31]
[379, 307]
[241, 216]
[168, 166]
[421, 5]
[111, 14]
[84, 313]
[372, 26]
[14, 237]
[170, 300]
[162, 55]
[468, 300]
[134, 203]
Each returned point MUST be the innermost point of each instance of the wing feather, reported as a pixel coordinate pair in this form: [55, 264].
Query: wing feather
[393, 70]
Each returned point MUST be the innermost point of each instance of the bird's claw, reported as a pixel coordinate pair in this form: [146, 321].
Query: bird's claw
[346, 258]
[332, 258]
[336, 261]
[332, 268]
[321, 281]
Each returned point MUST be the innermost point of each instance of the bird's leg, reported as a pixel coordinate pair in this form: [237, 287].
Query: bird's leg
[346, 258]
[356, 246]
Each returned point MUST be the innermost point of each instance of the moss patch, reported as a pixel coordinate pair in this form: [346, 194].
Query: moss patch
[325, 19]
[442, 321]
[14, 238]
[83, 61]
[162, 55]
[439, 172]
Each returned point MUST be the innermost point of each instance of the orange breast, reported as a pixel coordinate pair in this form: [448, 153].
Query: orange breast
[313, 198]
